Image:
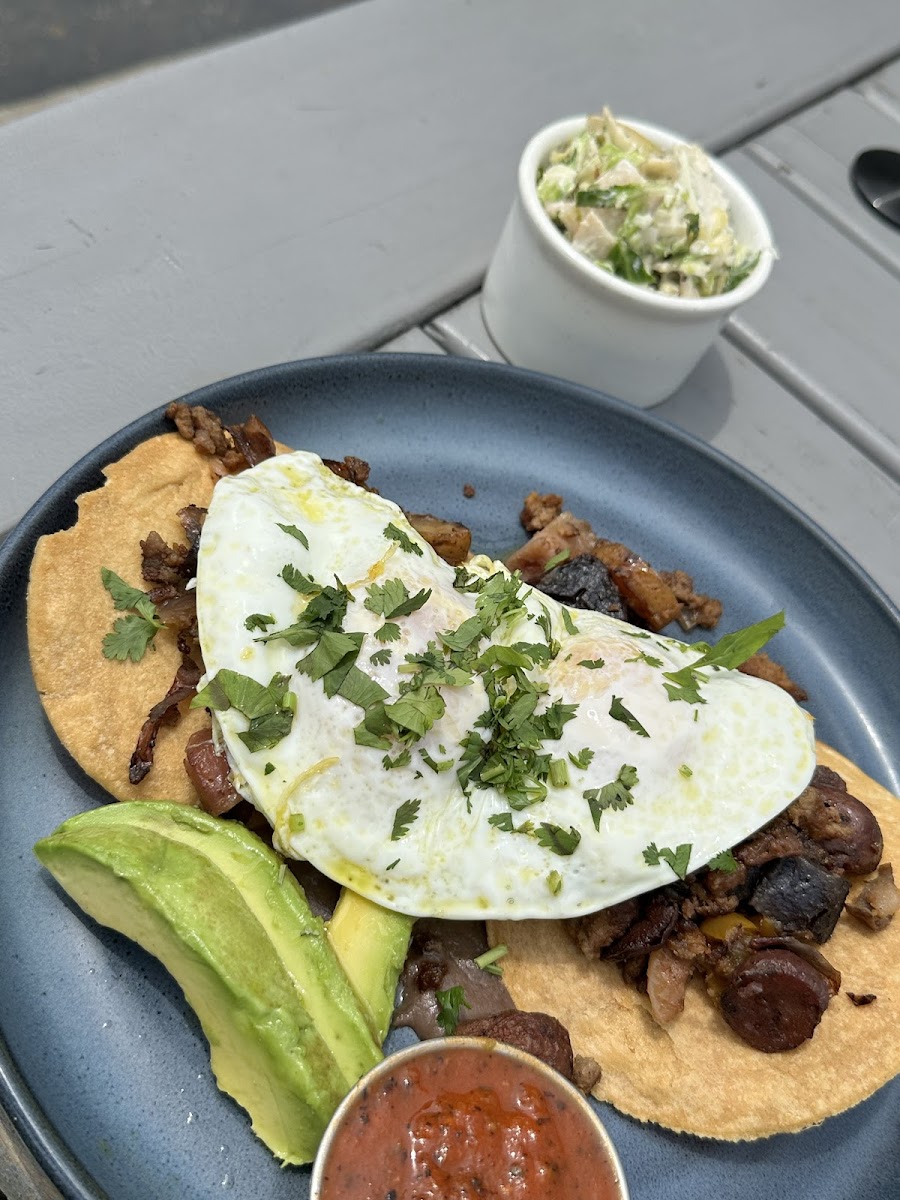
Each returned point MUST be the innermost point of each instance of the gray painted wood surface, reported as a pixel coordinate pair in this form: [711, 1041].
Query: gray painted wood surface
[297, 194]
[732, 404]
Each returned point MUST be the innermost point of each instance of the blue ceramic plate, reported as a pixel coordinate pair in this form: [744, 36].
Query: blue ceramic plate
[105, 1070]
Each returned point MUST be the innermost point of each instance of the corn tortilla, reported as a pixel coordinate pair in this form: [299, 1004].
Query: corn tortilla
[696, 1075]
[97, 706]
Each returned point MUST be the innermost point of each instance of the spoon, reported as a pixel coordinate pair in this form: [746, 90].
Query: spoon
[876, 176]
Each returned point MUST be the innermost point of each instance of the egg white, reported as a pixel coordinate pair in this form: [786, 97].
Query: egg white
[708, 774]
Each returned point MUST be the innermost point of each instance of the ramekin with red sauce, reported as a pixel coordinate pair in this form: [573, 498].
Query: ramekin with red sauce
[465, 1117]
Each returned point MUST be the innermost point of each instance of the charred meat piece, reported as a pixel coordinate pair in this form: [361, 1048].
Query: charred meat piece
[878, 899]
[778, 839]
[696, 608]
[844, 827]
[198, 425]
[564, 532]
[798, 896]
[450, 540]
[586, 1072]
[775, 1000]
[716, 893]
[253, 440]
[353, 469]
[208, 771]
[535, 1032]
[667, 980]
[645, 591]
[763, 667]
[162, 563]
[539, 510]
[649, 931]
[584, 582]
[184, 686]
[593, 933]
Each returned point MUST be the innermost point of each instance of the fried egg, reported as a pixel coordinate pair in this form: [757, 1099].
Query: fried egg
[452, 742]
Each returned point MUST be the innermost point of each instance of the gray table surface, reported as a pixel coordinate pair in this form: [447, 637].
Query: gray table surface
[297, 194]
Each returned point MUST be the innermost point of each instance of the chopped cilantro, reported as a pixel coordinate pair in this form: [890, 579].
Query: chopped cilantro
[571, 627]
[295, 533]
[678, 859]
[619, 712]
[649, 659]
[258, 621]
[391, 866]
[325, 611]
[403, 818]
[449, 1003]
[389, 632]
[269, 768]
[380, 658]
[616, 795]
[438, 766]
[582, 760]
[488, 961]
[301, 583]
[130, 636]
[555, 838]
[636, 633]
[269, 708]
[402, 760]
[728, 652]
[403, 540]
[559, 557]
[417, 711]
[592, 664]
[391, 599]
[723, 862]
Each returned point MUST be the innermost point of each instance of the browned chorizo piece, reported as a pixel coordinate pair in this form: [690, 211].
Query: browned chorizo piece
[198, 425]
[594, 932]
[353, 469]
[775, 1000]
[586, 1072]
[654, 925]
[539, 510]
[450, 540]
[877, 901]
[535, 1032]
[696, 607]
[208, 771]
[254, 440]
[564, 532]
[643, 589]
[763, 667]
[842, 826]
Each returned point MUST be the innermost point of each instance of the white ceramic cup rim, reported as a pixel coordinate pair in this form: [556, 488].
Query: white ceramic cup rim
[536, 153]
[397, 1059]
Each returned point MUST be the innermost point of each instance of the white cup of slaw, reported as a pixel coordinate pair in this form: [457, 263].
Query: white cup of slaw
[548, 307]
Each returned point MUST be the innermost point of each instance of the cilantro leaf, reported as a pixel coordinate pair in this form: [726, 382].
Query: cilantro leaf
[449, 1003]
[267, 730]
[729, 651]
[301, 583]
[571, 627]
[389, 632]
[725, 861]
[407, 812]
[619, 712]
[615, 795]
[417, 711]
[403, 540]
[258, 621]
[125, 597]
[295, 533]
[592, 664]
[403, 759]
[330, 651]
[437, 765]
[391, 599]
[462, 638]
[391, 866]
[582, 760]
[269, 708]
[555, 838]
[678, 859]
[380, 658]
[559, 557]
[129, 638]
[502, 821]
[650, 659]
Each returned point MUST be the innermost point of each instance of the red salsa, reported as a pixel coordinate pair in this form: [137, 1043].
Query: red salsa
[462, 1123]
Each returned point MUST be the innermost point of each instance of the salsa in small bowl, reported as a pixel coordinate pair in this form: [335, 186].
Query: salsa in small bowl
[466, 1116]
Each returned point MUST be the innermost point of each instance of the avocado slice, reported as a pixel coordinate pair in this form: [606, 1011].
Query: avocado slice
[371, 943]
[287, 1036]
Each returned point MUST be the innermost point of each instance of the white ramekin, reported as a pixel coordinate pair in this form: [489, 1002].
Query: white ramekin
[549, 308]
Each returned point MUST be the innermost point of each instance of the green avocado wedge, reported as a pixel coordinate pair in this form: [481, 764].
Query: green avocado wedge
[215, 905]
